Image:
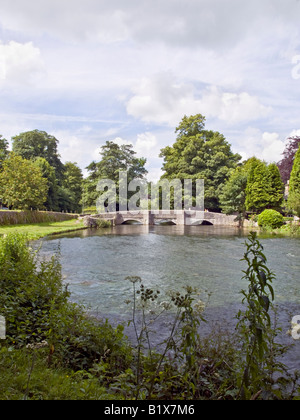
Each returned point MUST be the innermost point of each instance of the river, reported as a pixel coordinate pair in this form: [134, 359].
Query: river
[96, 263]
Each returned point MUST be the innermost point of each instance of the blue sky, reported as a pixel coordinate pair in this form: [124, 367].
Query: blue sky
[93, 70]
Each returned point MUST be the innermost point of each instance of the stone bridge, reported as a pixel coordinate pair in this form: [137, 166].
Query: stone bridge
[177, 217]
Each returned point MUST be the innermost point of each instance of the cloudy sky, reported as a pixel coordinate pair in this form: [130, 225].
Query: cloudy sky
[87, 71]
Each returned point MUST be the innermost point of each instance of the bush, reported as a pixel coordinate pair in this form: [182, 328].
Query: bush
[270, 219]
[35, 303]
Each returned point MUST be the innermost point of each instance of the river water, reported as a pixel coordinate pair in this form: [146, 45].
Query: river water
[96, 263]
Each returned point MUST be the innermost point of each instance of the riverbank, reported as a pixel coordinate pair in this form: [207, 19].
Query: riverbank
[40, 230]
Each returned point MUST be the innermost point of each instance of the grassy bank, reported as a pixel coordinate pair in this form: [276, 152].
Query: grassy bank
[40, 230]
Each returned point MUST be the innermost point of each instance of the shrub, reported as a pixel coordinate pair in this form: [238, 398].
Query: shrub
[35, 303]
[270, 219]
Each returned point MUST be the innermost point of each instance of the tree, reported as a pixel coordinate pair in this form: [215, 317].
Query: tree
[200, 154]
[264, 187]
[72, 185]
[33, 144]
[286, 164]
[22, 185]
[115, 158]
[48, 172]
[294, 193]
[233, 196]
[3, 150]
[275, 187]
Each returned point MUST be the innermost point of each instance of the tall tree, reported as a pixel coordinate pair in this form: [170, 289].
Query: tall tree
[72, 184]
[48, 173]
[114, 158]
[33, 144]
[3, 150]
[200, 154]
[22, 185]
[233, 196]
[286, 164]
[275, 187]
[264, 187]
[294, 193]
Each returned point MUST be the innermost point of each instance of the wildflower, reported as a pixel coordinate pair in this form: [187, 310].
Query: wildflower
[166, 305]
[134, 279]
[37, 346]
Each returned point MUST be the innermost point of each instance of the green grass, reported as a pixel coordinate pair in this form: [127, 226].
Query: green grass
[40, 230]
[25, 375]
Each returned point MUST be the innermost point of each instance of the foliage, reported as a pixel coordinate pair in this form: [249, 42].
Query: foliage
[25, 374]
[72, 182]
[22, 185]
[48, 173]
[259, 352]
[3, 150]
[286, 164]
[270, 219]
[33, 144]
[233, 196]
[275, 187]
[93, 222]
[264, 187]
[294, 193]
[36, 306]
[64, 181]
[200, 154]
[114, 158]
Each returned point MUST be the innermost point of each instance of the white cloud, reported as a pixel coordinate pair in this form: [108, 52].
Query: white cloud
[162, 100]
[146, 145]
[213, 23]
[264, 145]
[20, 63]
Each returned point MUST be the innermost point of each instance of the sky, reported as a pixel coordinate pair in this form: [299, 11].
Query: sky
[89, 71]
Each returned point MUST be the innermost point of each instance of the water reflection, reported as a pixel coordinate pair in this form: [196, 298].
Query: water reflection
[161, 229]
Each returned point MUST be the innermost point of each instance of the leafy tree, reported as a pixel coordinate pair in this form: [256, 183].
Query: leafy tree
[294, 193]
[286, 164]
[34, 144]
[200, 154]
[72, 186]
[115, 158]
[3, 150]
[275, 187]
[48, 173]
[264, 187]
[22, 185]
[233, 196]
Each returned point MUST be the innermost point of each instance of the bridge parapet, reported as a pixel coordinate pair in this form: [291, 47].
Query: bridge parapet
[182, 217]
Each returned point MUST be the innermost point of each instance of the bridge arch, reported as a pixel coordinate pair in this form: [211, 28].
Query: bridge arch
[166, 222]
[129, 221]
[202, 223]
